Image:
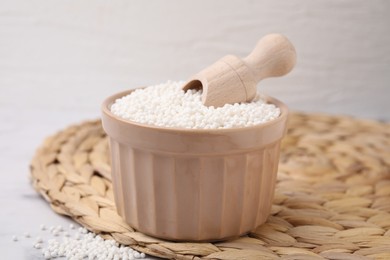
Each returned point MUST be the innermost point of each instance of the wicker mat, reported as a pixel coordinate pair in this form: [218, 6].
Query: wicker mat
[332, 199]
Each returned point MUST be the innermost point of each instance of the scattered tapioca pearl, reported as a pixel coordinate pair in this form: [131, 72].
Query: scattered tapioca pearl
[37, 245]
[83, 230]
[15, 238]
[59, 228]
[77, 236]
[27, 235]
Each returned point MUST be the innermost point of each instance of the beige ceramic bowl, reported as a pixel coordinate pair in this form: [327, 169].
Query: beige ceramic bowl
[194, 185]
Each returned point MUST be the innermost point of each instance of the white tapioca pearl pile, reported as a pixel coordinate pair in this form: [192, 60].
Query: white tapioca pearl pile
[89, 246]
[168, 105]
[79, 244]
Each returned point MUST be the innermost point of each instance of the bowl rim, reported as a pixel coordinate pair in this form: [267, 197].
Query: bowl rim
[107, 103]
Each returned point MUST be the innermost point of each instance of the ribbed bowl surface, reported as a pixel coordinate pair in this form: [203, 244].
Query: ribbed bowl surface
[195, 185]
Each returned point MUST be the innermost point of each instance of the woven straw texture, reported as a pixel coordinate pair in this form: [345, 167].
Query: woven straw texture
[332, 199]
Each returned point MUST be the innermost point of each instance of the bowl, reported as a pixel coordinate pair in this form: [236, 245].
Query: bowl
[193, 184]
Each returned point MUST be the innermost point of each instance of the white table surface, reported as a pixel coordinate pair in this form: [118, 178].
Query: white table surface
[22, 208]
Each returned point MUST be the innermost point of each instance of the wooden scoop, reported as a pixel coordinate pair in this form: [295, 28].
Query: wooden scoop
[233, 80]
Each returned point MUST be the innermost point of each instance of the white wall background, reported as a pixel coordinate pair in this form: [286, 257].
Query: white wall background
[65, 57]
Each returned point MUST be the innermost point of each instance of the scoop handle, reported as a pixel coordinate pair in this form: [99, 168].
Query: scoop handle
[273, 56]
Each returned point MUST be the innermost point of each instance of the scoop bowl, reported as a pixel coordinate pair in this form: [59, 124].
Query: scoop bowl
[193, 184]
